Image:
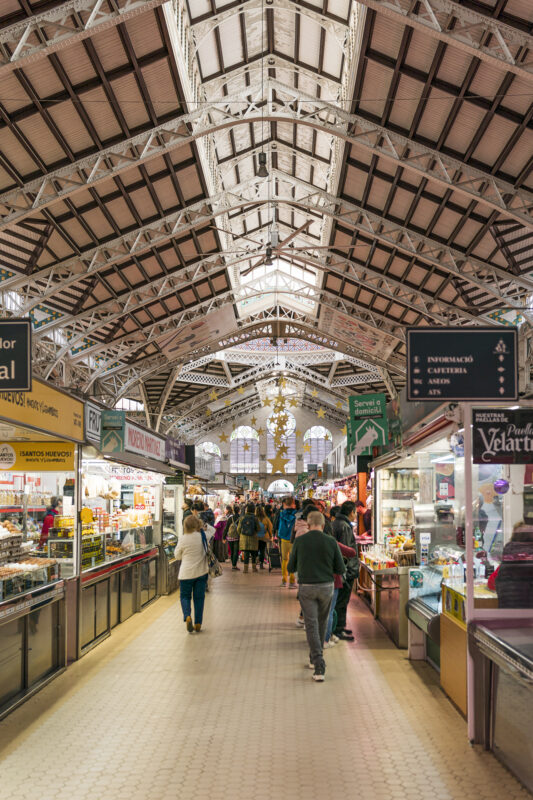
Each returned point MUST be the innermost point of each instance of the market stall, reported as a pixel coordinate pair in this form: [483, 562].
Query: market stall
[121, 523]
[173, 496]
[39, 432]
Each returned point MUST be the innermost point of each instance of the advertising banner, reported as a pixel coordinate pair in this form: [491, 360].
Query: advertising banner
[46, 409]
[196, 334]
[36, 457]
[144, 443]
[367, 339]
[502, 436]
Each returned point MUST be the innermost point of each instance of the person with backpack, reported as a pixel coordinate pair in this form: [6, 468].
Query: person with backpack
[265, 533]
[248, 529]
[287, 518]
[232, 535]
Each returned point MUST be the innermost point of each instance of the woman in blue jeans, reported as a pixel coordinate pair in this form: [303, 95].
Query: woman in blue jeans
[193, 573]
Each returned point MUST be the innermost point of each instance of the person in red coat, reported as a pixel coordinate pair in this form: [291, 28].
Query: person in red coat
[52, 511]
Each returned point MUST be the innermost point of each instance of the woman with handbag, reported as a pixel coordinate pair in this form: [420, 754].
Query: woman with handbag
[265, 533]
[194, 570]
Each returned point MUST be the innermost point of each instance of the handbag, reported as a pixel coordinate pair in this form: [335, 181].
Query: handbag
[213, 566]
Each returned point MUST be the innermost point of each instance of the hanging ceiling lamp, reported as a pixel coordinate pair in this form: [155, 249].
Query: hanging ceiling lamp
[262, 172]
[268, 259]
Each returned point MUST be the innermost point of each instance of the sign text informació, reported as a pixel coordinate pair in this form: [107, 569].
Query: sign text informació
[462, 363]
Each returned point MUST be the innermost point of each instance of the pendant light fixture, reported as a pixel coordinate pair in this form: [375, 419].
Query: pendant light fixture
[262, 172]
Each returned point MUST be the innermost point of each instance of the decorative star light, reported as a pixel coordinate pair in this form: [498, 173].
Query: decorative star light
[294, 402]
[268, 401]
[314, 393]
[297, 432]
[260, 431]
[306, 448]
[253, 422]
[283, 450]
[208, 412]
[344, 430]
[240, 390]
[321, 413]
[338, 404]
[213, 395]
[223, 437]
[227, 403]
[246, 447]
[278, 463]
[327, 437]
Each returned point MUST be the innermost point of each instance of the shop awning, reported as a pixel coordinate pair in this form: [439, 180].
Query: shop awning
[141, 462]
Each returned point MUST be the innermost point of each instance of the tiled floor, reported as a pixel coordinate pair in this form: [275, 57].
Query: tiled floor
[159, 714]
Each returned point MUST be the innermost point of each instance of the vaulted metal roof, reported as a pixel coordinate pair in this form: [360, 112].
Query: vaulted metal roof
[398, 144]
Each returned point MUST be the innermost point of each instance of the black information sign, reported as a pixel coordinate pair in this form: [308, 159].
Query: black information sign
[15, 355]
[502, 436]
[462, 363]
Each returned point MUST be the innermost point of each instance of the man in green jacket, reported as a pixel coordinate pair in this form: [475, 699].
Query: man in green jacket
[316, 558]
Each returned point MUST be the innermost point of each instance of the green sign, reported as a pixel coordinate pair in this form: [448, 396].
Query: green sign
[349, 436]
[367, 406]
[175, 480]
[112, 431]
[369, 433]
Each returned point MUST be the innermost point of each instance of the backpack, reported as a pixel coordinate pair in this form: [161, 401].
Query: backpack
[286, 524]
[248, 525]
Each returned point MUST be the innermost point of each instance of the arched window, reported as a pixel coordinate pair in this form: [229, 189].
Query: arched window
[288, 439]
[244, 450]
[210, 450]
[318, 443]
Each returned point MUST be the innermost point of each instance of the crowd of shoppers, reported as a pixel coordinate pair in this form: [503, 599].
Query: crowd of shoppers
[314, 542]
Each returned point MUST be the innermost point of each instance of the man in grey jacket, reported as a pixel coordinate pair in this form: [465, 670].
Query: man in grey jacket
[343, 533]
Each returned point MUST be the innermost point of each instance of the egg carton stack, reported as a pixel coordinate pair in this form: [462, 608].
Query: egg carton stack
[10, 545]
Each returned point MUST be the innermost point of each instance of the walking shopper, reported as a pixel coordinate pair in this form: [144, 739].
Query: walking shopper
[343, 532]
[219, 545]
[193, 573]
[331, 638]
[265, 533]
[286, 521]
[232, 535]
[316, 558]
[248, 528]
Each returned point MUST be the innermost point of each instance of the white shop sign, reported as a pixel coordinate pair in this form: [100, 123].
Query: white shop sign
[143, 443]
[93, 423]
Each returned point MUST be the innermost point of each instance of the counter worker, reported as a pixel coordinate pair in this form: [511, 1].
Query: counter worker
[48, 522]
[365, 514]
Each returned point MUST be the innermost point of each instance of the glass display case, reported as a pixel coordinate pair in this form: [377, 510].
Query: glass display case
[121, 511]
[173, 494]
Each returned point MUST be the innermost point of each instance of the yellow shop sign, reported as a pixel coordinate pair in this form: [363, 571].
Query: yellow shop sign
[46, 409]
[36, 457]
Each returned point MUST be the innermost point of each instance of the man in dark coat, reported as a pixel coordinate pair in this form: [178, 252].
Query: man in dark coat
[343, 532]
